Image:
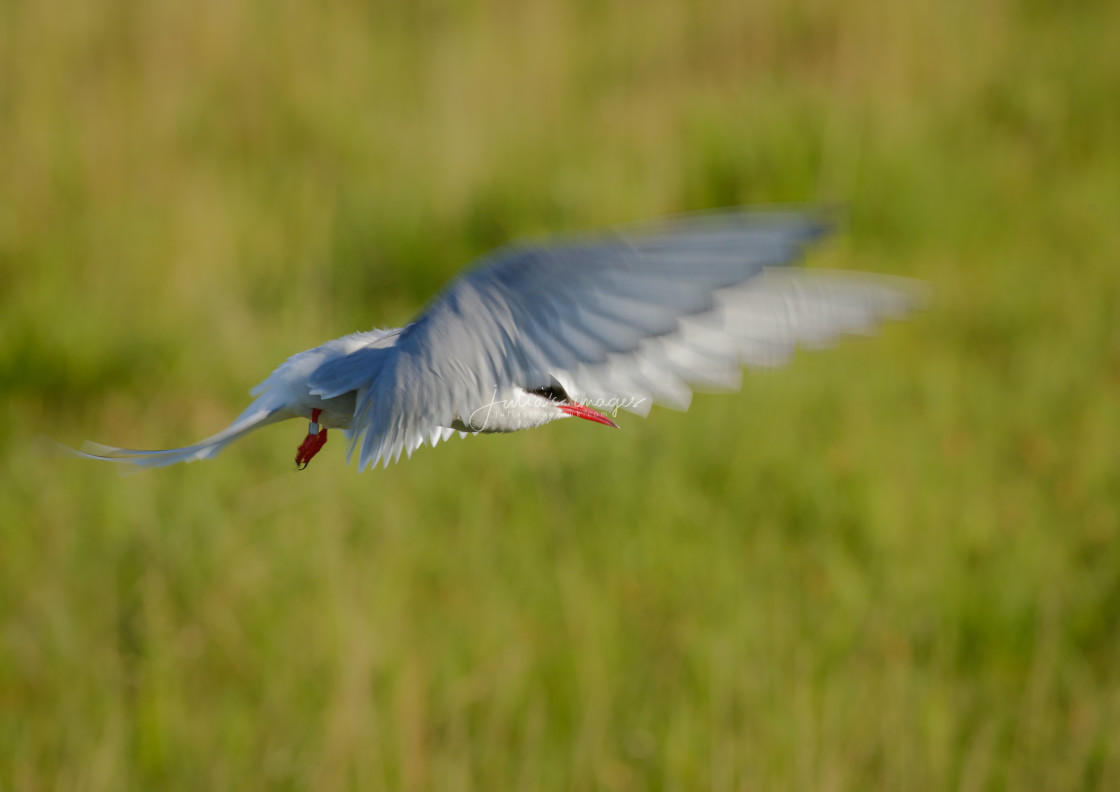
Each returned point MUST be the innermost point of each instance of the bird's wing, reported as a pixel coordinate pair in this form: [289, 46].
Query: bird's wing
[637, 316]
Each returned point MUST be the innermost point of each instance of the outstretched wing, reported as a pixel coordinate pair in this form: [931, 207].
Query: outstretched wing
[637, 316]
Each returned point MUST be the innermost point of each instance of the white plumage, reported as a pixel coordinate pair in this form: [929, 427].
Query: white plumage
[536, 332]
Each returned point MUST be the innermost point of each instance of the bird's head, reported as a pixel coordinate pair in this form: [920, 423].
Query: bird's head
[558, 399]
[513, 409]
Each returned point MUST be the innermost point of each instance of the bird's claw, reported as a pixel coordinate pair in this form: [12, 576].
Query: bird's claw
[315, 440]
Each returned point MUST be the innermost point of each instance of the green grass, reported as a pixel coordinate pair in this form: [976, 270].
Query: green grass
[893, 565]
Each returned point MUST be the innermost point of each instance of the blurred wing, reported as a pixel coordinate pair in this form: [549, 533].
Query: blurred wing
[636, 317]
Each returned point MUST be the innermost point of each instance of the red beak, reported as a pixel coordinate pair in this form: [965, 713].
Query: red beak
[579, 411]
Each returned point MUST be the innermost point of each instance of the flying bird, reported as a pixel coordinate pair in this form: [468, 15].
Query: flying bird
[537, 332]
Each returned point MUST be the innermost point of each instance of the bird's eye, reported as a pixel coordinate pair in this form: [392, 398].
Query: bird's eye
[554, 392]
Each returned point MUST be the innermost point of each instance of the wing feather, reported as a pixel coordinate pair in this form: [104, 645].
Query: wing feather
[643, 315]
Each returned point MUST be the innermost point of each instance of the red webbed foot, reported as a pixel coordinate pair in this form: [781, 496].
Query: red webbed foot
[315, 440]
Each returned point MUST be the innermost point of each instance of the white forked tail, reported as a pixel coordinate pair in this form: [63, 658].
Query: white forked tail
[251, 419]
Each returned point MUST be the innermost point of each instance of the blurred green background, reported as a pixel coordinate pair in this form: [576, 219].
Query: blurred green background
[893, 565]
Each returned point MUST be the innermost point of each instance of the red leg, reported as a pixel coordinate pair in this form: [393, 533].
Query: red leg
[315, 440]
